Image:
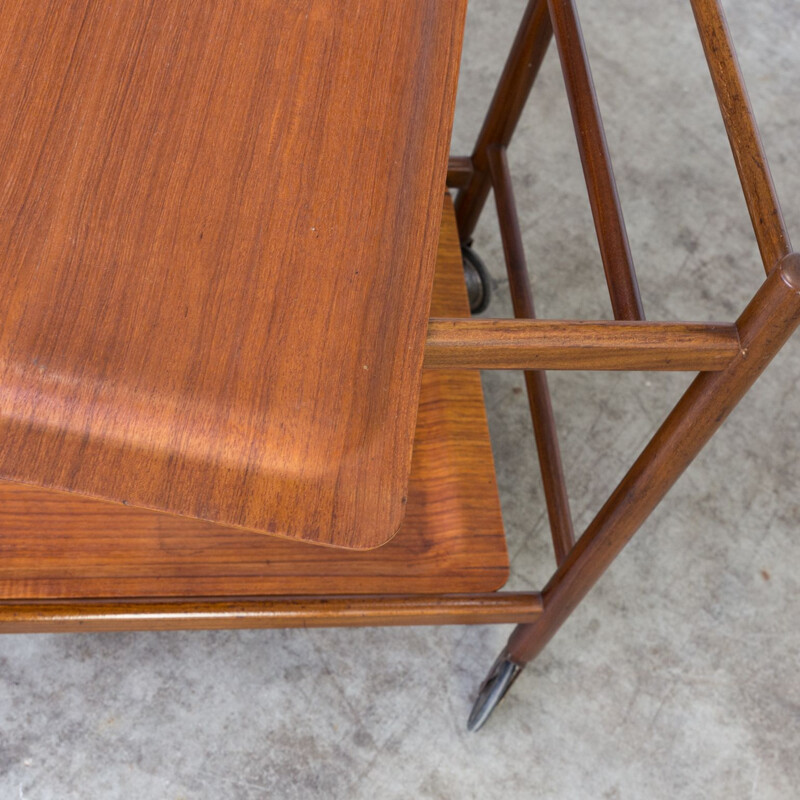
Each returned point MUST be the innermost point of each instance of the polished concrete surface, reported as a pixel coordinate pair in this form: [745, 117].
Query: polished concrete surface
[678, 676]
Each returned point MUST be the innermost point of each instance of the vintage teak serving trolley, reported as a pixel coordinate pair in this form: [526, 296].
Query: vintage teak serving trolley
[222, 393]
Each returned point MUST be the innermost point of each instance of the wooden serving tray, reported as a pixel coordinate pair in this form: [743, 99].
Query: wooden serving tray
[218, 225]
[58, 546]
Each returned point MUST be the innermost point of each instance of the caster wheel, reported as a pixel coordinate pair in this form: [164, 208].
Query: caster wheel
[492, 691]
[478, 280]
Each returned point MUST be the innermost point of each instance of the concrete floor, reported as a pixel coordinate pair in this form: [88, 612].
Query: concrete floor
[678, 677]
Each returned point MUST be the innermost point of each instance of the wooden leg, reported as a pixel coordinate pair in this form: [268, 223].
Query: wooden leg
[612, 237]
[516, 82]
[764, 326]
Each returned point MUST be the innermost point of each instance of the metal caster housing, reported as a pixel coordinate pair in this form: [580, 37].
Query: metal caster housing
[478, 280]
[492, 691]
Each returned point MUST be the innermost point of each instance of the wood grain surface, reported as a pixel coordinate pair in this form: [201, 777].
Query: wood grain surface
[54, 616]
[54, 545]
[218, 225]
[579, 344]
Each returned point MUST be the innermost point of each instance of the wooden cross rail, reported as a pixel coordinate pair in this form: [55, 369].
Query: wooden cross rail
[53, 616]
[579, 345]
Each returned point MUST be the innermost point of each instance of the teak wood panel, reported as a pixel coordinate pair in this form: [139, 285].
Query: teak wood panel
[218, 226]
[54, 545]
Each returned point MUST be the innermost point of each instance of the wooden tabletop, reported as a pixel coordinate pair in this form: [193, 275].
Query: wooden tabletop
[218, 226]
[58, 546]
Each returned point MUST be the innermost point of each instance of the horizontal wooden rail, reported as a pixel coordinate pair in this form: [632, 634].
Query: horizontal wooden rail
[459, 171]
[63, 616]
[606, 210]
[740, 123]
[560, 344]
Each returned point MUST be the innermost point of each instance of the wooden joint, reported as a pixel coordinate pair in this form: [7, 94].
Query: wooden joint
[459, 171]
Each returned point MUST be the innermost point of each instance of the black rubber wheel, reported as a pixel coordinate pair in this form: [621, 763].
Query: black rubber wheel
[478, 280]
[492, 691]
